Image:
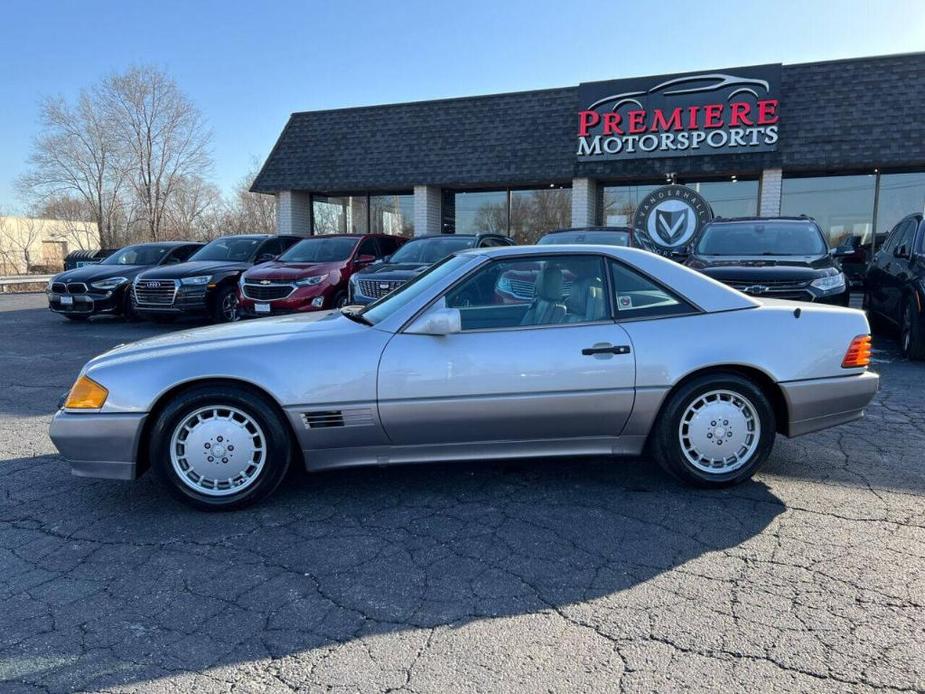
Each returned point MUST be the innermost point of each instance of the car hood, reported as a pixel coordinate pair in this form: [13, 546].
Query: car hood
[241, 333]
[194, 268]
[290, 271]
[393, 271]
[767, 268]
[94, 273]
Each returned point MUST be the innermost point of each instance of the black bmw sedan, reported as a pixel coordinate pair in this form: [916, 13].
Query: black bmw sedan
[103, 288]
[774, 257]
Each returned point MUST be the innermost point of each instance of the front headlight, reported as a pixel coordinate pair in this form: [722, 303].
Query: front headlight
[832, 283]
[110, 283]
[197, 281]
[310, 281]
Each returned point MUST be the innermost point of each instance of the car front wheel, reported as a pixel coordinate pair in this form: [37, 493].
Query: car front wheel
[220, 447]
[225, 308]
[715, 431]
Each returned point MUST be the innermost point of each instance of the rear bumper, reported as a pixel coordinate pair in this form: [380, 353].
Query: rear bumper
[821, 403]
[99, 445]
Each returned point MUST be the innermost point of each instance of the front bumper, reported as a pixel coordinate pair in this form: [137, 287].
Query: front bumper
[99, 445]
[188, 300]
[299, 301]
[821, 403]
[89, 304]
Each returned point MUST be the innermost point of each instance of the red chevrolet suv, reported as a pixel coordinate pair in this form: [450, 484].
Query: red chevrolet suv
[312, 275]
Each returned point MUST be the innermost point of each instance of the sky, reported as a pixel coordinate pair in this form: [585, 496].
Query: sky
[248, 65]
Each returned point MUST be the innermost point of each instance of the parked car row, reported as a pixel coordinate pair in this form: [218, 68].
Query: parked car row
[252, 276]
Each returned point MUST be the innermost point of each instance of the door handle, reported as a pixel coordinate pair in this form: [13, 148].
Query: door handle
[606, 349]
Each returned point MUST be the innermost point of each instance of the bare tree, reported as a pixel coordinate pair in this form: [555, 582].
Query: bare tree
[76, 155]
[18, 237]
[163, 139]
[74, 221]
[191, 209]
[249, 212]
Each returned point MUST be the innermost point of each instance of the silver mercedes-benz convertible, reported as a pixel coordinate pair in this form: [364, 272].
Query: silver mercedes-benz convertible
[492, 353]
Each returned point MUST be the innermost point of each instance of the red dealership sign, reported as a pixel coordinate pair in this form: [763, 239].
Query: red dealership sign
[727, 111]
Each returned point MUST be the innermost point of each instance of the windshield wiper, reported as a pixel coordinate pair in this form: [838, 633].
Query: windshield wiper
[356, 317]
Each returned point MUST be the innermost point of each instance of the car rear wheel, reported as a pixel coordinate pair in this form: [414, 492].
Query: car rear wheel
[715, 431]
[911, 340]
[220, 447]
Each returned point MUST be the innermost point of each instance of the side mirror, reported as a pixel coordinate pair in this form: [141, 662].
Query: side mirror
[365, 259]
[438, 322]
[901, 252]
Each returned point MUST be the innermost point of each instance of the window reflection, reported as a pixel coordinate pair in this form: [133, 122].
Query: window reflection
[481, 212]
[340, 215]
[900, 195]
[843, 206]
[730, 198]
[392, 214]
[536, 212]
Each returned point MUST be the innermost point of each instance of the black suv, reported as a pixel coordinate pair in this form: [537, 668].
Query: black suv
[207, 283]
[774, 257]
[103, 287]
[894, 288]
[411, 260]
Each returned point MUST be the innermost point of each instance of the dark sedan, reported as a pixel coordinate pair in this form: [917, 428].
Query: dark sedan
[207, 284]
[774, 257]
[411, 260]
[103, 287]
[895, 285]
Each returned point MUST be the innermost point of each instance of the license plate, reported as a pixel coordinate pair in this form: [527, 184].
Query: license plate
[67, 300]
[261, 308]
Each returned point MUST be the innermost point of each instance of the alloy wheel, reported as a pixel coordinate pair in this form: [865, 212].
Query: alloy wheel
[218, 451]
[719, 431]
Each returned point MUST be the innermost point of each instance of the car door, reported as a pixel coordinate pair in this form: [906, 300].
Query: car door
[876, 274]
[896, 270]
[544, 364]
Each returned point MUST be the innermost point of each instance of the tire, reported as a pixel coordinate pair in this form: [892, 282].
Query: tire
[225, 306]
[911, 339]
[128, 308]
[215, 419]
[76, 317]
[743, 416]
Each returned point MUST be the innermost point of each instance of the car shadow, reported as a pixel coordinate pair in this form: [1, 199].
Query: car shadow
[107, 583]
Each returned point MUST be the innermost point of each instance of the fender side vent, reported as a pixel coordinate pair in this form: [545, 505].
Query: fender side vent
[325, 419]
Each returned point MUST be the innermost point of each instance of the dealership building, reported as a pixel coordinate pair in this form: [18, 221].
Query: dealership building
[842, 141]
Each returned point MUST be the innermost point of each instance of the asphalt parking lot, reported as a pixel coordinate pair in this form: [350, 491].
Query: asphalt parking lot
[535, 576]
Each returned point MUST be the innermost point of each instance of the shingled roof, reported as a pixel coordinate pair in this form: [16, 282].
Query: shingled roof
[836, 115]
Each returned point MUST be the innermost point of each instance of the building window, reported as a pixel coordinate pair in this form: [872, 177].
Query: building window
[536, 212]
[341, 215]
[391, 214]
[726, 198]
[481, 212]
[730, 198]
[843, 206]
[899, 195]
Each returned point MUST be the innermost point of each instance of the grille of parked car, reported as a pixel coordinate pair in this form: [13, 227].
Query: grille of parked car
[379, 288]
[268, 292]
[58, 287]
[77, 287]
[155, 292]
[782, 289]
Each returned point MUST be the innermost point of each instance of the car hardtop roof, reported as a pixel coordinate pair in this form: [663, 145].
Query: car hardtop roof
[457, 236]
[260, 236]
[593, 228]
[557, 249]
[167, 244]
[756, 218]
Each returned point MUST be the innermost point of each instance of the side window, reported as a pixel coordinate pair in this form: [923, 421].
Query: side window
[182, 254]
[893, 239]
[635, 296]
[532, 292]
[270, 247]
[369, 247]
[906, 235]
[492, 242]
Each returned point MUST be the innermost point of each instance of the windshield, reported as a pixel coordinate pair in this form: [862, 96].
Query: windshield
[228, 248]
[320, 250]
[761, 238]
[137, 255]
[607, 238]
[408, 292]
[426, 251]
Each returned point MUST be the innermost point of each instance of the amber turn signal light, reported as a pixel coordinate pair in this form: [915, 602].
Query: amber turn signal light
[86, 394]
[858, 354]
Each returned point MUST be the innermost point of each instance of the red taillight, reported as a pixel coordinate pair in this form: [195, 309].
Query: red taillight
[858, 354]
